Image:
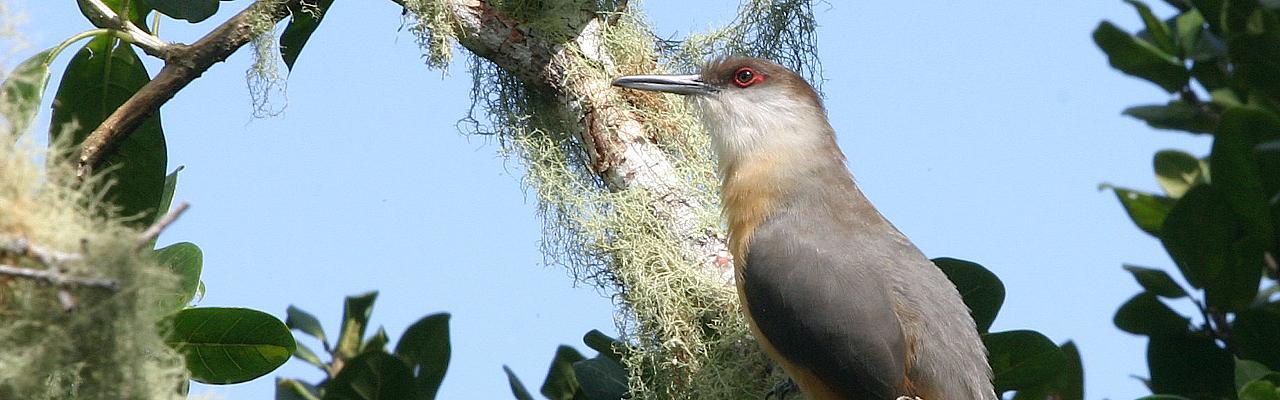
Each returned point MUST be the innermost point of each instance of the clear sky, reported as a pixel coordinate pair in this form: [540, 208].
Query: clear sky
[981, 129]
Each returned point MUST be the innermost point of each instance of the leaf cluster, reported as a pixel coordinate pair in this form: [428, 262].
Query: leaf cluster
[1221, 229]
[362, 368]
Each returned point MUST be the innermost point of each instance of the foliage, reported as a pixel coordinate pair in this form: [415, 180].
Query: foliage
[150, 308]
[361, 368]
[1022, 361]
[1222, 229]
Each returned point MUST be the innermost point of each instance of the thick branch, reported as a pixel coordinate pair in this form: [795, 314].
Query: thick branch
[620, 151]
[183, 64]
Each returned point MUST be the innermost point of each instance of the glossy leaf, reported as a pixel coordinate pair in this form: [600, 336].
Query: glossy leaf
[303, 321]
[377, 342]
[1139, 58]
[1145, 314]
[373, 376]
[1147, 211]
[355, 318]
[22, 91]
[292, 389]
[980, 289]
[607, 346]
[517, 388]
[1253, 42]
[304, 353]
[229, 345]
[1159, 32]
[187, 262]
[1176, 115]
[170, 186]
[1207, 242]
[306, 17]
[1022, 359]
[1246, 178]
[425, 346]
[101, 77]
[601, 378]
[192, 11]
[1255, 333]
[1156, 282]
[1177, 172]
[1260, 390]
[1249, 371]
[1067, 385]
[1190, 366]
[562, 382]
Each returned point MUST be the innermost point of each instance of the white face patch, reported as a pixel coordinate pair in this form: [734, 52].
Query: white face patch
[760, 120]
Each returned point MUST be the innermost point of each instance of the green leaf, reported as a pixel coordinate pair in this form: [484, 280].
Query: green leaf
[377, 342]
[1177, 172]
[562, 382]
[192, 11]
[1190, 366]
[517, 388]
[100, 78]
[1157, 29]
[1207, 242]
[1249, 371]
[1139, 58]
[304, 353]
[293, 389]
[607, 346]
[306, 17]
[1067, 385]
[1176, 115]
[1022, 359]
[355, 318]
[980, 289]
[1156, 282]
[425, 346]
[22, 91]
[373, 376]
[601, 378]
[1253, 42]
[170, 185]
[303, 321]
[1245, 176]
[1212, 11]
[1255, 334]
[186, 261]
[1145, 314]
[1148, 211]
[1162, 397]
[1260, 390]
[1187, 30]
[229, 345]
[1181, 5]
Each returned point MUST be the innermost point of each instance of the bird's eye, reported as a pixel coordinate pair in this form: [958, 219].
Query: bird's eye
[746, 76]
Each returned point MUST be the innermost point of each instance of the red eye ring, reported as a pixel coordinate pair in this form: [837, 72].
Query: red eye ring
[746, 76]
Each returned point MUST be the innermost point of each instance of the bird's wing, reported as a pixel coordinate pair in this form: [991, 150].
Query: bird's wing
[815, 302]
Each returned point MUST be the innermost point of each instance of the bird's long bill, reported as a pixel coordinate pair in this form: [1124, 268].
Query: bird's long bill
[678, 84]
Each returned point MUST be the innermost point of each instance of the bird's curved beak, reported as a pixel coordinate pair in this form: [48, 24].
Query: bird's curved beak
[678, 84]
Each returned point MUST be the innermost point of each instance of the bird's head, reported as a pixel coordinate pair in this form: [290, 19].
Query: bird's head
[752, 107]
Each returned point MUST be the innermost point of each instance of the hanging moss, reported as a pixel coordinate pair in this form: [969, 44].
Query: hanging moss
[107, 346]
[688, 338]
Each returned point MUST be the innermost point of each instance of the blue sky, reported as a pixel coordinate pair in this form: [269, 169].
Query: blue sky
[980, 129]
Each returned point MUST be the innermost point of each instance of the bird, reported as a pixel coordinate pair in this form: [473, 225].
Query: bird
[833, 292]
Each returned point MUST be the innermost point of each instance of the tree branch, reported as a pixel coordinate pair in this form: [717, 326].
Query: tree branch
[620, 151]
[183, 64]
[160, 225]
[51, 260]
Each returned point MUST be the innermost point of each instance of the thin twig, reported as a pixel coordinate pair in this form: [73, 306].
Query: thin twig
[155, 229]
[54, 277]
[43, 255]
[103, 16]
[183, 64]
